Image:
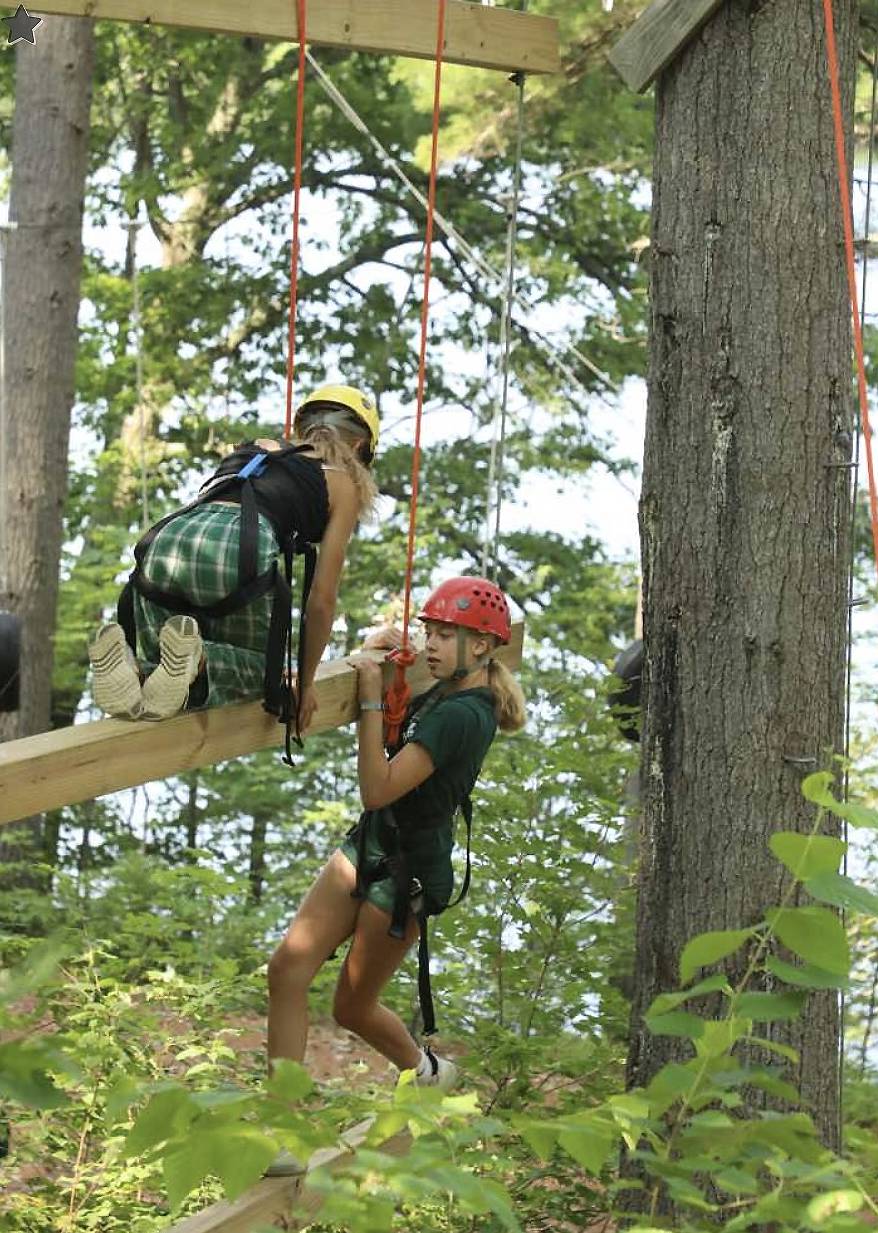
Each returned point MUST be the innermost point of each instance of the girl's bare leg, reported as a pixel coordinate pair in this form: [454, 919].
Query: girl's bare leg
[371, 961]
[325, 918]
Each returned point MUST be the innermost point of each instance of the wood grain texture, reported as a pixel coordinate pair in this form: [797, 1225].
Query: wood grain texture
[87, 760]
[658, 35]
[286, 1202]
[477, 35]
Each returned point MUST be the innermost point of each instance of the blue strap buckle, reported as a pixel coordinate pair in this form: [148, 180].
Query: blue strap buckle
[255, 466]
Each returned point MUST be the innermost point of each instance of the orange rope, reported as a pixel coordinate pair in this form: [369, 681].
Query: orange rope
[846, 215]
[297, 195]
[397, 698]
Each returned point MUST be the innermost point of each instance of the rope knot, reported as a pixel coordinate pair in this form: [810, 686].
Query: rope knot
[398, 694]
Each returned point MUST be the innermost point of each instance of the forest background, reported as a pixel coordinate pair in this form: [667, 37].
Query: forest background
[163, 903]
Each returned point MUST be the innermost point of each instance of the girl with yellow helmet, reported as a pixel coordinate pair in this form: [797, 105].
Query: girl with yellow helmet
[208, 604]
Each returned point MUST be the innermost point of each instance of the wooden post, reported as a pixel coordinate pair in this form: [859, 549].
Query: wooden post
[77, 763]
[658, 35]
[476, 34]
[284, 1202]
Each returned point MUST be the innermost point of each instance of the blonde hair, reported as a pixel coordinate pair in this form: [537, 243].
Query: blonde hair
[338, 450]
[509, 700]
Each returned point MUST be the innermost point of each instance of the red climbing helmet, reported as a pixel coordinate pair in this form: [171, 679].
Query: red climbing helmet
[474, 603]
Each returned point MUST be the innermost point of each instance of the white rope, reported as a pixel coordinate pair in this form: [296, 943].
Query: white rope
[494, 276]
[137, 322]
[498, 440]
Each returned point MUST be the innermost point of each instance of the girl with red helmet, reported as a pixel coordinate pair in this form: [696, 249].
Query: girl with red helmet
[394, 868]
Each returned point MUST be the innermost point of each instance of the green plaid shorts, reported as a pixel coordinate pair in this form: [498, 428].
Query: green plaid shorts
[196, 557]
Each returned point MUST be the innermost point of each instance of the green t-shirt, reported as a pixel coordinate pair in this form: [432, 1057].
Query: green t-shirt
[457, 734]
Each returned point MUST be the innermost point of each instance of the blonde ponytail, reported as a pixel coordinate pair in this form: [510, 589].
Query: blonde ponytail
[337, 451]
[509, 700]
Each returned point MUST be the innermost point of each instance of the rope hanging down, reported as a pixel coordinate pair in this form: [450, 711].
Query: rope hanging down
[301, 30]
[850, 265]
[495, 467]
[398, 695]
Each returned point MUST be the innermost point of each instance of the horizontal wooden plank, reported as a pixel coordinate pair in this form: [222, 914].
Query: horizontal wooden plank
[475, 34]
[658, 35]
[284, 1202]
[87, 760]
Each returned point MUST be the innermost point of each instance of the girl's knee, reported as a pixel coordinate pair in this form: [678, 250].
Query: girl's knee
[289, 967]
[348, 1011]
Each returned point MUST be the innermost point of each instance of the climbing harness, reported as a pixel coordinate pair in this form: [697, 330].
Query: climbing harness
[409, 893]
[280, 697]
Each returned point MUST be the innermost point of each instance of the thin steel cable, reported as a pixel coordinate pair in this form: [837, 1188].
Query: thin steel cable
[498, 447]
[489, 272]
[137, 321]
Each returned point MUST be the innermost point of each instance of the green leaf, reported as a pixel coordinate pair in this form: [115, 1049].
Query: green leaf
[735, 1181]
[807, 855]
[720, 1035]
[806, 975]
[589, 1142]
[777, 1046]
[165, 1116]
[677, 1023]
[843, 892]
[239, 1157]
[541, 1137]
[289, 1081]
[814, 934]
[769, 1007]
[708, 948]
[667, 1001]
[815, 788]
[823, 1206]
[859, 816]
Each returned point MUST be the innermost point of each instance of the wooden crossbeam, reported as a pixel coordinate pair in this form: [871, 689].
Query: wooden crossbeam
[284, 1202]
[476, 34]
[77, 763]
[658, 35]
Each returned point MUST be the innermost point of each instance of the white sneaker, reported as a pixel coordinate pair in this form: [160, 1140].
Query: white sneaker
[439, 1072]
[116, 678]
[166, 690]
[284, 1165]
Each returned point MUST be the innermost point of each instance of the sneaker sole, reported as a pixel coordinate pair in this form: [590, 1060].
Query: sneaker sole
[116, 683]
[165, 692]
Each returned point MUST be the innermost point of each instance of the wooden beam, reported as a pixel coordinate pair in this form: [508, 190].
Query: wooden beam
[476, 34]
[655, 39]
[75, 764]
[284, 1202]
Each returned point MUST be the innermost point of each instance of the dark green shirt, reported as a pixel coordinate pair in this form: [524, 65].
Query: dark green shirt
[457, 734]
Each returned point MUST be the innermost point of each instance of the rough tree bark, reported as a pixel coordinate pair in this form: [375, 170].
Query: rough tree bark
[744, 525]
[43, 269]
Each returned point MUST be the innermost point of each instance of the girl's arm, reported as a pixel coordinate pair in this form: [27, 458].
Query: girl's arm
[381, 781]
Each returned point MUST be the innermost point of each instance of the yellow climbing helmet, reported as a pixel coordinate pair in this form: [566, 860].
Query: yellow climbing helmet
[347, 398]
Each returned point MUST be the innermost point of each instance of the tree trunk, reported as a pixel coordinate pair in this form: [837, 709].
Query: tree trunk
[42, 277]
[256, 872]
[745, 528]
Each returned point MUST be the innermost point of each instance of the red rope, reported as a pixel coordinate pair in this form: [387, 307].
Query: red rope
[846, 216]
[297, 195]
[397, 698]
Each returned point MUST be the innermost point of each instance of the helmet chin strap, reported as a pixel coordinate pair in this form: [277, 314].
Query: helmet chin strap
[462, 670]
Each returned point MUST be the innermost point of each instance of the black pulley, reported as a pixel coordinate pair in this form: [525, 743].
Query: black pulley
[624, 700]
[10, 660]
